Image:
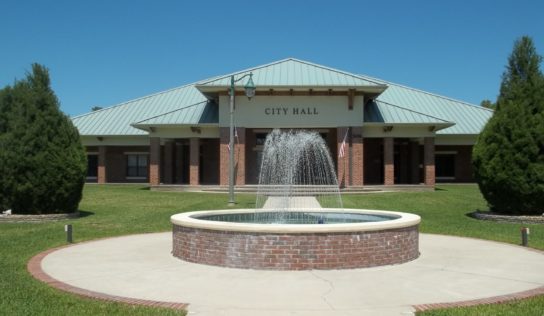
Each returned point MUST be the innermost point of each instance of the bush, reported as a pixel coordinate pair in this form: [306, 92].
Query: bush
[42, 161]
[508, 157]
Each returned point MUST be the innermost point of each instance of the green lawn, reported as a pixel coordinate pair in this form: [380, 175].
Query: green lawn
[124, 209]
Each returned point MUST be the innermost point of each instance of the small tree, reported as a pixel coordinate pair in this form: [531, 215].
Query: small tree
[42, 161]
[487, 104]
[508, 157]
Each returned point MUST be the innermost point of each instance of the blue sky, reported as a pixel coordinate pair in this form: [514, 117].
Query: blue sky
[105, 52]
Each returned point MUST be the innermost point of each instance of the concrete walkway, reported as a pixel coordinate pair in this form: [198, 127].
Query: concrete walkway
[449, 269]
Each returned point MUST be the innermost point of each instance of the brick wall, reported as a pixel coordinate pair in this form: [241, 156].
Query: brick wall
[388, 158]
[357, 157]
[463, 162]
[239, 156]
[296, 251]
[154, 160]
[194, 161]
[428, 161]
[101, 174]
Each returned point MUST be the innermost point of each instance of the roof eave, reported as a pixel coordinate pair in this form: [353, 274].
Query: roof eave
[437, 126]
[375, 89]
[146, 127]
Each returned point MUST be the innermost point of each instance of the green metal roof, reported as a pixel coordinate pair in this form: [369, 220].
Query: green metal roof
[384, 113]
[297, 73]
[468, 118]
[203, 113]
[187, 105]
[117, 120]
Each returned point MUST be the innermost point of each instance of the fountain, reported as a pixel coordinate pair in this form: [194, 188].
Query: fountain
[299, 222]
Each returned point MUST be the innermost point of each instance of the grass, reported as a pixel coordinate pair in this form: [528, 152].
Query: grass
[115, 210]
[528, 307]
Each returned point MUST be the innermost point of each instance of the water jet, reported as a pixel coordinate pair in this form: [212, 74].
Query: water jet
[299, 222]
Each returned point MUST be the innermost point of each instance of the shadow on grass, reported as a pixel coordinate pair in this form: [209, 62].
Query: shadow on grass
[145, 188]
[83, 214]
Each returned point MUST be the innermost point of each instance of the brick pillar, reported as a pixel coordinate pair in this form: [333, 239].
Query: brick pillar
[194, 161]
[429, 161]
[154, 161]
[224, 156]
[388, 161]
[414, 162]
[101, 178]
[343, 162]
[357, 157]
[240, 156]
[169, 162]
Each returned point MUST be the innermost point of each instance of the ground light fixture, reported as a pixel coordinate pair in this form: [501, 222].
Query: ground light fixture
[250, 92]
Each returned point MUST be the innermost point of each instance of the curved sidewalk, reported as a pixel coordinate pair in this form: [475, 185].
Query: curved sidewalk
[140, 269]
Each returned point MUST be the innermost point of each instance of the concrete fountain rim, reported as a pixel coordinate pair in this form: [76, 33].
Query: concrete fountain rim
[191, 220]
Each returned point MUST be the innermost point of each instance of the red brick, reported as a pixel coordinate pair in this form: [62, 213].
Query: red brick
[295, 251]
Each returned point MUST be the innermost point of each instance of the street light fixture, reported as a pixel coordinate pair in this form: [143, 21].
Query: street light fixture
[250, 92]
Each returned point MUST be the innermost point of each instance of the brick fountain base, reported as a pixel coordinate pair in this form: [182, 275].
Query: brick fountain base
[296, 246]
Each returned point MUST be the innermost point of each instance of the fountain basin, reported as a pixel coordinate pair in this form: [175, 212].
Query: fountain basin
[357, 244]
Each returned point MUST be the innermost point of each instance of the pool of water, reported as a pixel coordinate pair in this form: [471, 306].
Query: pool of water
[297, 218]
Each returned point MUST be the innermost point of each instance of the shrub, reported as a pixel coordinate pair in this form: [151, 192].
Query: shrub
[42, 161]
[508, 157]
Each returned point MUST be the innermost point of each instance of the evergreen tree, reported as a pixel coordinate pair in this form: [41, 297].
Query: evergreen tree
[508, 157]
[487, 104]
[42, 161]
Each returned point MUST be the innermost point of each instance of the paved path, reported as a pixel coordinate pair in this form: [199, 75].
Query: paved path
[449, 269]
[281, 202]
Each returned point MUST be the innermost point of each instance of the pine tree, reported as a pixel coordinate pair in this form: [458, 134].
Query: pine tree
[508, 157]
[42, 160]
[487, 104]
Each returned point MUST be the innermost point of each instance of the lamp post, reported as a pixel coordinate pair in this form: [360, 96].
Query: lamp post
[250, 92]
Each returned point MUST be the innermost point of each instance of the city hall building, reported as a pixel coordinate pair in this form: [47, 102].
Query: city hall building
[380, 134]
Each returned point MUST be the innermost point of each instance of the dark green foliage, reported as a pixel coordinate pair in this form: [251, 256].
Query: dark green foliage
[42, 161]
[509, 155]
[487, 104]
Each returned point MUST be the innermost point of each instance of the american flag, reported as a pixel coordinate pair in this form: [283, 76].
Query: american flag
[342, 151]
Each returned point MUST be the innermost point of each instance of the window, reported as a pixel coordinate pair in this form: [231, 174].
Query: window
[92, 166]
[445, 166]
[260, 138]
[136, 165]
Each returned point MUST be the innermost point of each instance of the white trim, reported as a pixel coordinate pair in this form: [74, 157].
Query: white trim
[136, 178]
[136, 153]
[445, 152]
[91, 178]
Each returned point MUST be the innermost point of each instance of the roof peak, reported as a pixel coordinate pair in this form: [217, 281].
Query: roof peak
[289, 59]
